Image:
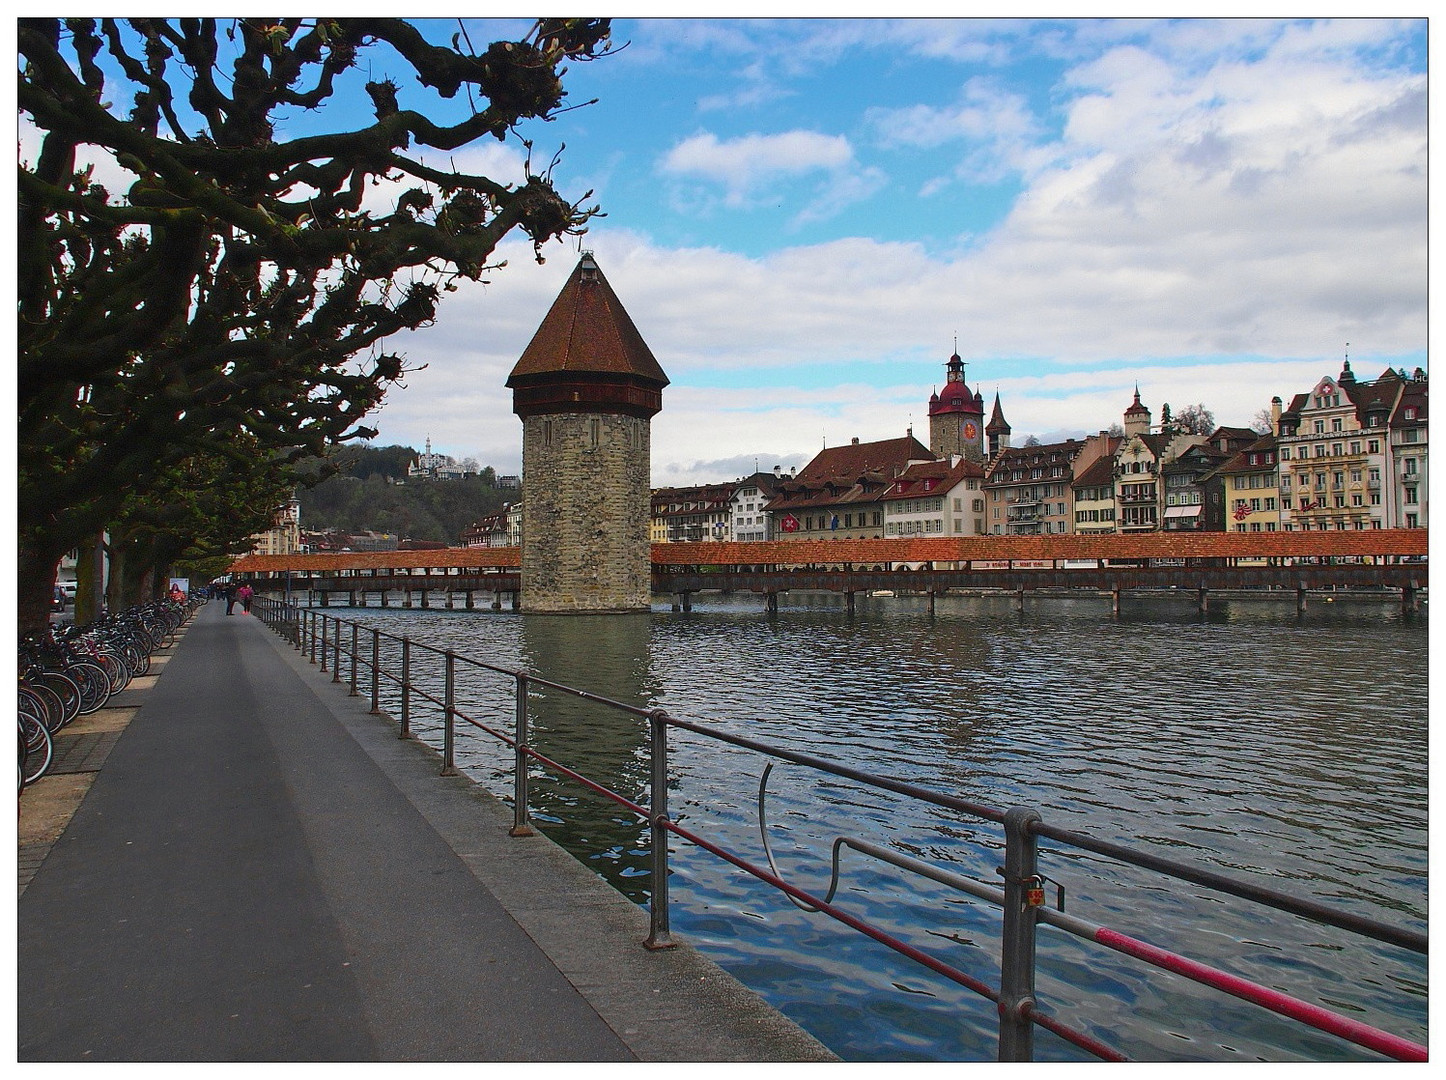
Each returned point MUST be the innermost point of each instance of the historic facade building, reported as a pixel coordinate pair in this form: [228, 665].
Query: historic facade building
[586, 388]
[936, 498]
[840, 493]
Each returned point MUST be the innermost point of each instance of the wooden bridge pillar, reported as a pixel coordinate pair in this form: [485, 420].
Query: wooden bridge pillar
[384, 597]
[683, 601]
[497, 601]
[406, 598]
[450, 605]
[424, 597]
[1409, 600]
[931, 602]
[771, 601]
[325, 598]
[1300, 597]
[1019, 599]
[850, 596]
[1203, 598]
[1115, 599]
[361, 598]
[468, 595]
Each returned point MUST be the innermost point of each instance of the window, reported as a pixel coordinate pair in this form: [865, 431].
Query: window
[1356, 447]
[1336, 424]
[1319, 426]
[1374, 446]
[1410, 466]
[1411, 494]
[1412, 521]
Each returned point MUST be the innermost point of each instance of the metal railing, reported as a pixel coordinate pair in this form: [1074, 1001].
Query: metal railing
[331, 641]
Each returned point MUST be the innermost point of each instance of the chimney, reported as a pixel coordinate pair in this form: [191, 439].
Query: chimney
[778, 470]
[856, 440]
[1275, 411]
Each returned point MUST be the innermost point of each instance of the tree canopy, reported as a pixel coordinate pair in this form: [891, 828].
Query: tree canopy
[236, 302]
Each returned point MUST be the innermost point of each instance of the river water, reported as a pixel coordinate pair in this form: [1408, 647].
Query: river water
[1282, 748]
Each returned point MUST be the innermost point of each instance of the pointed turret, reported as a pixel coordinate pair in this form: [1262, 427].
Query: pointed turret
[997, 430]
[587, 356]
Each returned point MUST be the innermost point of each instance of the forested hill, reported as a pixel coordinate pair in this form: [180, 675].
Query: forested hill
[365, 495]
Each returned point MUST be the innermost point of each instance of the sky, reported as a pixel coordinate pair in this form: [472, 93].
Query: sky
[806, 217]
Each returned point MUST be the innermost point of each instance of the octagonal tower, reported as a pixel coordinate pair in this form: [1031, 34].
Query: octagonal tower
[586, 389]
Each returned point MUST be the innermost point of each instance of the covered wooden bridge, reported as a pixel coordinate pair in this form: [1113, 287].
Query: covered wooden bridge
[1392, 559]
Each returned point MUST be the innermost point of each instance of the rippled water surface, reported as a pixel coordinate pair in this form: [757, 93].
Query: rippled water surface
[1283, 749]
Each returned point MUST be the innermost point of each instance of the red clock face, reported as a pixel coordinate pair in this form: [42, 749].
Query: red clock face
[970, 431]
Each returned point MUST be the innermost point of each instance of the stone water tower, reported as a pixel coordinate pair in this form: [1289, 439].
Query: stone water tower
[586, 388]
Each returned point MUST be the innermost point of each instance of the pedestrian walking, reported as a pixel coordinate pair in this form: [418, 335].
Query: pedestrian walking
[229, 592]
[244, 594]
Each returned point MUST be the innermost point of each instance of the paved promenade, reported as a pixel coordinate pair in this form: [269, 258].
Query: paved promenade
[253, 868]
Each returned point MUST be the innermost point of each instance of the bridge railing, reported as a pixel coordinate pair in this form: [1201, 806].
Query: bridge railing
[338, 644]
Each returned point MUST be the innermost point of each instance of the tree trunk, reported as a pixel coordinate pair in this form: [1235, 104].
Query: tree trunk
[35, 589]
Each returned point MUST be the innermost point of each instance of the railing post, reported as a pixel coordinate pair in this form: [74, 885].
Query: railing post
[323, 644]
[336, 653]
[521, 825]
[1023, 892]
[406, 732]
[376, 671]
[659, 936]
[352, 692]
[449, 762]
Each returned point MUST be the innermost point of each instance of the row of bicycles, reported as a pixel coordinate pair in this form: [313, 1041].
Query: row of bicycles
[74, 670]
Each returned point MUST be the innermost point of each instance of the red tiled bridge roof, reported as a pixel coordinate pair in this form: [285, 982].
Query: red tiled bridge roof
[1374, 542]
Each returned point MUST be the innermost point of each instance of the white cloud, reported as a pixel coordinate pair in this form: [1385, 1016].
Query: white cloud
[751, 162]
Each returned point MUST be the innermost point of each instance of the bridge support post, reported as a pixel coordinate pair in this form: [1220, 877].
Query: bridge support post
[1019, 599]
[771, 602]
[424, 597]
[468, 601]
[850, 597]
[325, 598]
[1409, 600]
[384, 598]
[1203, 597]
[406, 598]
[1115, 599]
[361, 598]
[450, 603]
[931, 602]
[683, 601]
[516, 601]
[1300, 598]
[497, 601]
[351, 598]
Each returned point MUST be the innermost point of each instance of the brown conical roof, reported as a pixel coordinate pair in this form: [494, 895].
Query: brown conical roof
[587, 332]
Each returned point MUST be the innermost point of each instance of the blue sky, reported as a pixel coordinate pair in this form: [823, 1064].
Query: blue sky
[804, 215]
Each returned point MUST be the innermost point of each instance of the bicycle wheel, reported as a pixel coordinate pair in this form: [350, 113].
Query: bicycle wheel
[93, 682]
[114, 667]
[47, 704]
[39, 748]
[67, 691]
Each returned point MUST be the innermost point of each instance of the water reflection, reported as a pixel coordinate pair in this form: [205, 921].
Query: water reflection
[610, 656]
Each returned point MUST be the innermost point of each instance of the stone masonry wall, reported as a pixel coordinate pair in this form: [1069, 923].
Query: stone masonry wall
[585, 505]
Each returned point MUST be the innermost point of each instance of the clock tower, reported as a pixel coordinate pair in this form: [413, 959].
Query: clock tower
[956, 417]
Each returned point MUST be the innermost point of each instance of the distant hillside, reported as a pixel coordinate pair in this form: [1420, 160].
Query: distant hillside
[365, 495]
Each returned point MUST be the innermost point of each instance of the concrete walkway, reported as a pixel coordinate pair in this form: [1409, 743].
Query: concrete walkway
[262, 871]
